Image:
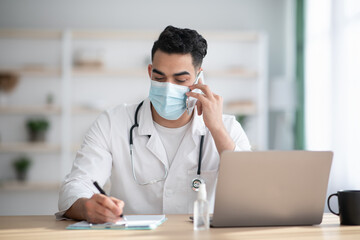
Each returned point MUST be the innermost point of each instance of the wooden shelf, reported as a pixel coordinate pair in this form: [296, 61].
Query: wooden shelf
[85, 110]
[45, 72]
[232, 73]
[34, 71]
[231, 36]
[75, 147]
[114, 35]
[30, 34]
[240, 108]
[103, 72]
[29, 148]
[141, 72]
[28, 186]
[43, 110]
[153, 35]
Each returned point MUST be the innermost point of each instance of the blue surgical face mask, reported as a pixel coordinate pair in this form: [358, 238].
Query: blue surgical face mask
[169, 100]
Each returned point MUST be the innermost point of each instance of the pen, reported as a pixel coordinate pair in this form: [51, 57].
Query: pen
[103, 192]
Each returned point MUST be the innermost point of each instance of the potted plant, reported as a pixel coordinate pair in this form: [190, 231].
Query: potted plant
[21, 166]
[37, 129]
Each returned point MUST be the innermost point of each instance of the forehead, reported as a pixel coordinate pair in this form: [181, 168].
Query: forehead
[172, 61]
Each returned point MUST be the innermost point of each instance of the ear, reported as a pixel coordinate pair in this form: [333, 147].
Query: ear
[150, 70]
[198, 70]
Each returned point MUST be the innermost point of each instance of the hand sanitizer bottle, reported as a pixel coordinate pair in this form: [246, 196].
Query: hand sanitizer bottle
[201, 210]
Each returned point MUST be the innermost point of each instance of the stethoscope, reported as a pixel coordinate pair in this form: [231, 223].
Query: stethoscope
[195, 184]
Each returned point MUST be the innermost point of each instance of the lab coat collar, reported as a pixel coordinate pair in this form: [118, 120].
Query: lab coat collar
[146, 127]
[198, 126]
[146, 124]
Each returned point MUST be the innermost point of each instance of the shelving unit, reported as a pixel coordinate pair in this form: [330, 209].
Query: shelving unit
[236, 63]
[20, 56]
[28, 186]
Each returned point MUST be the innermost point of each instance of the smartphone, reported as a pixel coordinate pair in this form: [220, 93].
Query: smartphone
[190, 101]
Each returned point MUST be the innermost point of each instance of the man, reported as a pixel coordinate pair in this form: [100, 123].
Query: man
[172, 147]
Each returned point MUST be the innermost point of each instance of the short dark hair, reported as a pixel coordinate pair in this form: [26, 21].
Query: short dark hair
[183, 41]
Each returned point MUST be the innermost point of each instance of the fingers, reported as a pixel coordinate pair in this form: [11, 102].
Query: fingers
[199, 107]
[198, 96]
[105, 215]
[100, 209]
[203, 87]
[113, 204]
[119, 203]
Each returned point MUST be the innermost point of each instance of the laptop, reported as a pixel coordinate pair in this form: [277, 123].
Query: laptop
[271, 188]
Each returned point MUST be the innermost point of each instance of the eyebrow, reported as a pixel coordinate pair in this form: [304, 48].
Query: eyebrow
[175, 74]
[182, 73]
[158, 72]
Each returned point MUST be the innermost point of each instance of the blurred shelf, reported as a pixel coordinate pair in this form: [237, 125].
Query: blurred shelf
[28, 186]
[29, 148]
[153, 35]
[34, 71]
[123, 34]
[85, 110]
[103, 72]
[30, 34]
[232, 73]
[113, 35]
[43, 110]
[231, 36]
[75, 147]
[240, 108]
[142, 72]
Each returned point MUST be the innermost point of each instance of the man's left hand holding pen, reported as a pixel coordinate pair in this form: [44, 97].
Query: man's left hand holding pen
[100, 208]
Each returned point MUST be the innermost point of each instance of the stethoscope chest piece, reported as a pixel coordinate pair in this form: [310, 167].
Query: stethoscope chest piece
[195, 184]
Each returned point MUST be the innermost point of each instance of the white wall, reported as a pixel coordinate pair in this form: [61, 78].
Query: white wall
[268, 16]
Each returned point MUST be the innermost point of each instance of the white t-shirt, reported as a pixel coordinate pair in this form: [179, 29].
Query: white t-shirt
[171, 139]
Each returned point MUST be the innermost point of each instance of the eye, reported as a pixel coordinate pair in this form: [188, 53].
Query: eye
[181, 80]
[159, 78]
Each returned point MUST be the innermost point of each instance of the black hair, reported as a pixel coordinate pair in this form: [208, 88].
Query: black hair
[183, 41]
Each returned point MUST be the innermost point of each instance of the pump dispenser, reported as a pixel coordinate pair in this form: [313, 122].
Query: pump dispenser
[201, 210]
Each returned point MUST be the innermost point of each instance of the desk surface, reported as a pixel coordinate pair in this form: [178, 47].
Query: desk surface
[176, 227]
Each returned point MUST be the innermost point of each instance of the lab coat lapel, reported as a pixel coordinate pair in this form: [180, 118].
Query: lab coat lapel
[146, 127]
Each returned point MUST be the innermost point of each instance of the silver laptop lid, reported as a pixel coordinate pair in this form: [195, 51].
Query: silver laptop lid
[271, 188]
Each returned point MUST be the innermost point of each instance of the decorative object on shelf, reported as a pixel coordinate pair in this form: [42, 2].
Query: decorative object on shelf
[37, 129]
[89, 58]
[242, 120]
[50, 99]
[8, 82]
[21, 166]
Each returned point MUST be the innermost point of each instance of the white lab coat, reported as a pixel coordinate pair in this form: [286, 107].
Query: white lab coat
[104, 155]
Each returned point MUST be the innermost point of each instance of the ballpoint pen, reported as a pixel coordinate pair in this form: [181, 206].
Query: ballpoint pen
[103, 192]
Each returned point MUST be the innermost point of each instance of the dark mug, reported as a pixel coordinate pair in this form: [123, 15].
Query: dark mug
[349, 206]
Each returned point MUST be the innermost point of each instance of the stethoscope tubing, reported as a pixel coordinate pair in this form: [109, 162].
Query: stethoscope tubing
[136, 124]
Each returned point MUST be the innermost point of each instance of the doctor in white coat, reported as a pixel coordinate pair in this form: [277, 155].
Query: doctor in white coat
[154, 153]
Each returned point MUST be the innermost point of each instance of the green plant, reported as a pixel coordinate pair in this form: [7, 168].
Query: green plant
[37, 125]
[22, 164]
[241, 119]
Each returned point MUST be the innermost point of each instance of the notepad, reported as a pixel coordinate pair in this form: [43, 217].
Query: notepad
[140, 222]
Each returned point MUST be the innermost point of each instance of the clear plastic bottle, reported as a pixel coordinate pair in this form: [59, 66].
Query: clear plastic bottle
[201, 210]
